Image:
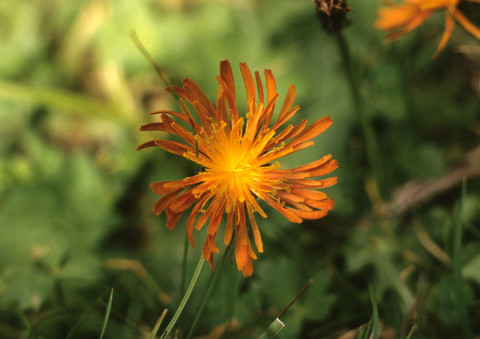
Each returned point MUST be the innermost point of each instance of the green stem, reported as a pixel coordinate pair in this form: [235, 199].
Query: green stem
[371, 144]
[150, 59]
[184, 266]
[184, 299]
[458, 286]
[206, 297]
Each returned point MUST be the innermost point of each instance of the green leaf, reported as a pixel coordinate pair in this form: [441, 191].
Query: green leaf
[107, 314]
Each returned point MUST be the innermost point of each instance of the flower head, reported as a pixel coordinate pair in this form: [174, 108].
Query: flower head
[238, 159]
[332, 14]
[400, 19]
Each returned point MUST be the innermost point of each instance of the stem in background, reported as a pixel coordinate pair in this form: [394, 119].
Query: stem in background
[150, 59]
[184, 266]
[209, 291]
[184, 299]
[304, 288]
[370, 141]
[458, 286]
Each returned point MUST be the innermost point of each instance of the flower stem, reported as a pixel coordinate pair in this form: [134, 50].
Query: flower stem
[184, 266]
[370, 141]
[150, 59]
[206, 297]
[189, 290]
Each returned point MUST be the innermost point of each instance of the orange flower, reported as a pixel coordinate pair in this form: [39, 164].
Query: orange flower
[400, 19]
[236, 155]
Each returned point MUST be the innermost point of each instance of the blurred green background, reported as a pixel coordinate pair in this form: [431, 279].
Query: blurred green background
[75, 205]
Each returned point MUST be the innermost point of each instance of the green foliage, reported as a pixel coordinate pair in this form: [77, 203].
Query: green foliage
[75, 206]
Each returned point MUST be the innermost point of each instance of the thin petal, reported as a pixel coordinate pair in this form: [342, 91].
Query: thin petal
[229, 228]
[249, 86]
[287, 214]
[310, 183]
[309, 194]
[325, 204]
[467, 24]
[227, 75]
[163, 202]
[256, 232]
[312, 131]
[447, 33]
[216, 217]
[162, 187]
[260, 87]
[150, 143]
[310, 215]
[173, 147]
[195, 94]
[175, 114]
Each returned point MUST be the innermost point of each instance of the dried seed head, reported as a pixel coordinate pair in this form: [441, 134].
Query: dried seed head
[332, 14]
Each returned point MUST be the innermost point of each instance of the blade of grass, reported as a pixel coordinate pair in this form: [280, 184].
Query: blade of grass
[412, 330]
[276, 326]
[26, 323]
[371, 332]
[107, 314]
[82, 318]
[374, 320]
[206, 297]
[158, 324]
[185, 298]
[458, 283]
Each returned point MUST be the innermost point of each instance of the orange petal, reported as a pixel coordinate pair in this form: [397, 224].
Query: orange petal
[325, 204]
[401, 18]
[208, 249]
[317, 168]
[230, 97]
[330, 166]
[271, 87]
[467, 24]
[172, 218]
[311, 131]
[309, 194]
[173, 147]
[287, 214]
[229, 228]
[227, 75]
[295, 131]
[256, 232]
[259, 87]
[310, 183]
[163, 202]
[285, 117]
[193, 217]
[216, 217]
[311, 215]
[447, 33]
[268, 113]
[150, 143]
[195, 94]
[249, 86]
[162, 187]
[181, 203]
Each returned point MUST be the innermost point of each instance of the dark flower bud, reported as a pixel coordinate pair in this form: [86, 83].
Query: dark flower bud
[332, 14]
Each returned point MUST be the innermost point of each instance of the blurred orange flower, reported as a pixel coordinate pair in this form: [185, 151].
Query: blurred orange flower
[400, 19]
[236, 155]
